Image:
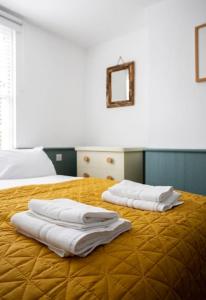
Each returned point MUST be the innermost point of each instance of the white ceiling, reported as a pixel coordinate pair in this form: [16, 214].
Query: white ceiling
[86, 22]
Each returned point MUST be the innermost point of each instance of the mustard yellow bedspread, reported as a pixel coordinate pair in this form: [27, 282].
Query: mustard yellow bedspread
[163, 257]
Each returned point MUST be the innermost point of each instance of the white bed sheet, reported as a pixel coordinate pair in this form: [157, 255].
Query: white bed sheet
[9, 183]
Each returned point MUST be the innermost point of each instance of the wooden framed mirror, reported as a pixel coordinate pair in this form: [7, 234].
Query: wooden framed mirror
[120, 85]
[200, 53]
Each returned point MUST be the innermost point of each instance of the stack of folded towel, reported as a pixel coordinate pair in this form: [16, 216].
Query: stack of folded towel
[68, 227]
[142, 196]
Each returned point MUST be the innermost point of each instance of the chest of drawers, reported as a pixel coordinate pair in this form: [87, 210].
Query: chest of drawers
[110, 162]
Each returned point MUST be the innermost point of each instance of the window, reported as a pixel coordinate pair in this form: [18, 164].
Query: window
[7, 85]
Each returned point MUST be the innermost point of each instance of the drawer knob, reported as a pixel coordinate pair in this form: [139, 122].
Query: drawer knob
[110, 178]
[86, 158]
[86, 175]
[110, 160]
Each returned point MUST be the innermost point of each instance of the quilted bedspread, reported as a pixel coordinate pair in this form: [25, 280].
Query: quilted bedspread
[163, 257]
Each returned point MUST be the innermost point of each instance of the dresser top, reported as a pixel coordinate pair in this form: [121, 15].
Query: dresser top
[108, 149]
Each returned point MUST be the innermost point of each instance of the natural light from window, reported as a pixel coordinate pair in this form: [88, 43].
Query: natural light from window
[7, 86]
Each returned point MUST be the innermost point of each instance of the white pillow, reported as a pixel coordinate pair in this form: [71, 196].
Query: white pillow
[17, 164]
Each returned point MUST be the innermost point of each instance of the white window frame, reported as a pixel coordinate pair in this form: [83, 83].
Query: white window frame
[14, 24]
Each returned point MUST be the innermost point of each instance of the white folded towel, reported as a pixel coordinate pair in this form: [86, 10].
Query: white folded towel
[70, 213]
[67, 241]
[139, 191]
[141, 204]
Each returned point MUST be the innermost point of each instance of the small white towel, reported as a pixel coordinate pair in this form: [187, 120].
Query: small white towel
[67, 241]
[139, 191]
[70, 213]
[141, 204]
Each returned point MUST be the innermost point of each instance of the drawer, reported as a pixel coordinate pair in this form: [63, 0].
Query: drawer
[101, 164]
[101, 173]
[106, 159]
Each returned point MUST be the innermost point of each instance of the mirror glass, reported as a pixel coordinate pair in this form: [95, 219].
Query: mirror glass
[120, 85]
[202, 52]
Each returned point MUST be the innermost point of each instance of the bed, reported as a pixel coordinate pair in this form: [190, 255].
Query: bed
[163, 257]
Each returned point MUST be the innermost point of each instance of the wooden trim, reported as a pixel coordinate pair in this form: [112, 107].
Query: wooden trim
[131, 68]
[197, 75]
[174, 150]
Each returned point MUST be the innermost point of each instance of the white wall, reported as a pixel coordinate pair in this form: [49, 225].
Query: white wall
[177, 104]
[170, 106]
[58, 104]
[116, 126]
[49, 90]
